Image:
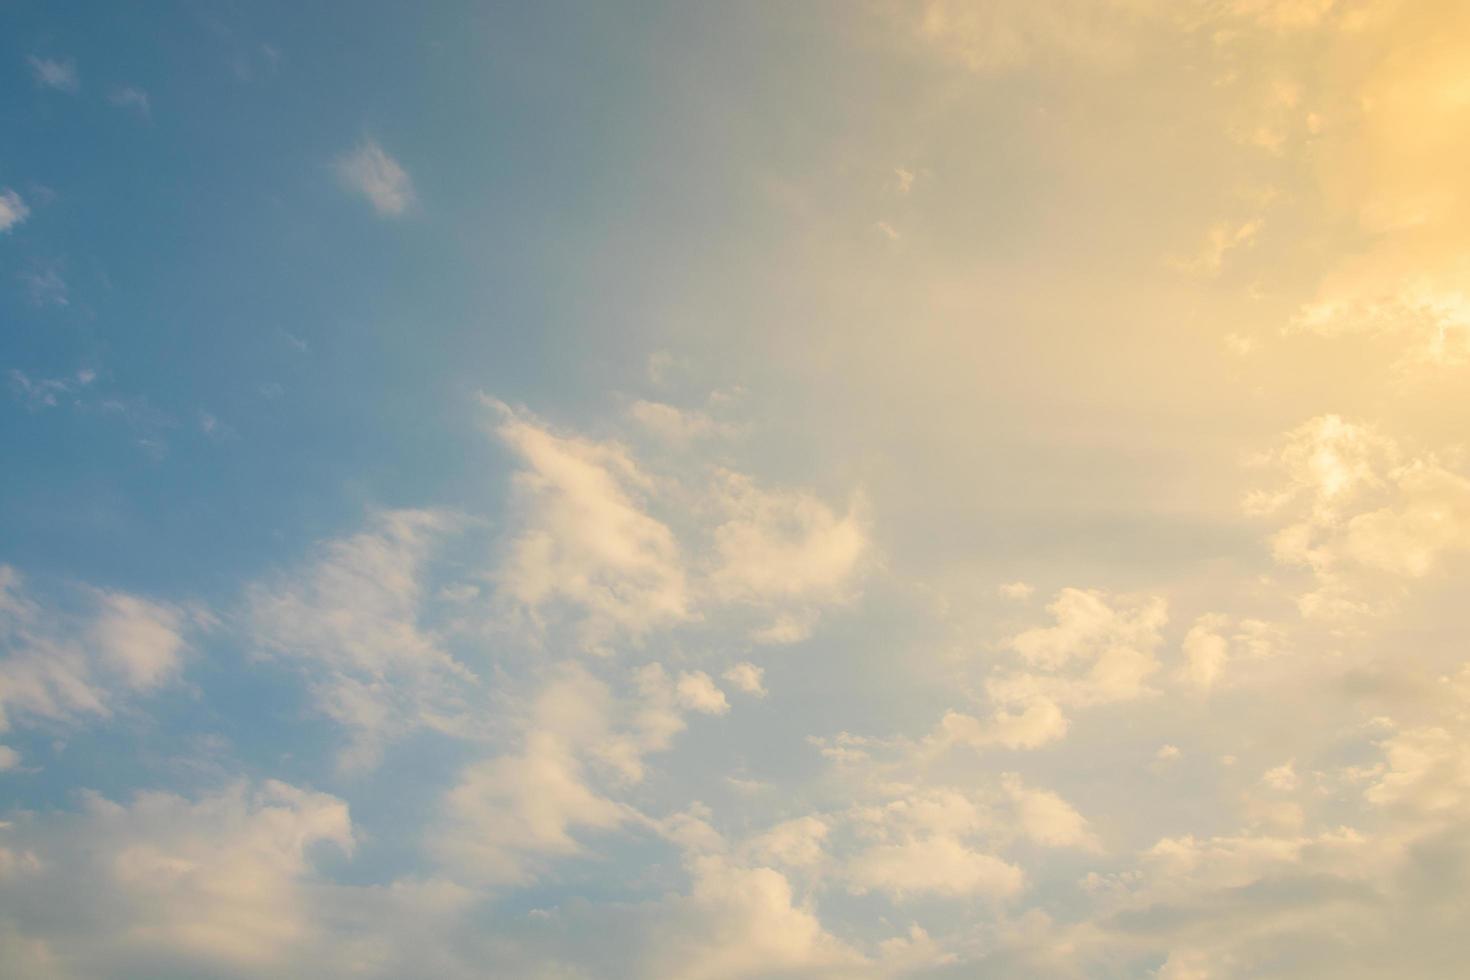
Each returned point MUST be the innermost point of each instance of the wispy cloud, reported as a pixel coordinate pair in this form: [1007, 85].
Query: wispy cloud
[57, 74]
[46, 287]
[130, 97]
[371, 172]
[39, 393]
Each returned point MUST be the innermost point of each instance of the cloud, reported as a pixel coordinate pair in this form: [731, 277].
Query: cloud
[45, 286]
[1038, 722]
[510, 816]
[41, 393]
[677, 426]
[1388, 165]
[1097, 653]
[594, 547]
[13, 209]
[1355, 508]
[65, 667]
[938, 865]
[216, 882]
[1019, 591]
[371, 172]
[1046, 818]
[697, 692]
[351, 620]
[995, 36]
[140, 640]
[740, 922]
[56, 74]
[130, 97]
[784, 545]
[1222, 239]
[1212, 643]
[585, 539]
[747, 677]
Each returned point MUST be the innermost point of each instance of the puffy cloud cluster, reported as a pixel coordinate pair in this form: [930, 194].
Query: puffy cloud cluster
[168, 883]
[1101, 650]
[1359, 511]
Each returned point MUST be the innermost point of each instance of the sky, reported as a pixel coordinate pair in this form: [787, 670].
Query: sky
[844, 489]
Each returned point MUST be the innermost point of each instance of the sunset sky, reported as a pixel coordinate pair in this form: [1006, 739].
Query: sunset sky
[842, 489]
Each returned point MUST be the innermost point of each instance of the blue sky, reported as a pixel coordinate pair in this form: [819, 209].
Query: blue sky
[876, 489]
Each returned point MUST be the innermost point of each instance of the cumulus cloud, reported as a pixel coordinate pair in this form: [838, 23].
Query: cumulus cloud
[1016, 590]
[1101, 650]
[216, 882]
[741, 921]
[368, 170]
[1046, 818]
[747, 677]
[1214, 641]
[697, 692]
[936, 865]
[13, 209]
[1354, 504]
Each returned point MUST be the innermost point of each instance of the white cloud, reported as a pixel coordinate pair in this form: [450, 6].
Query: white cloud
[510, 816]
[9, 758]
[40, 393]
[140, 640]
[1037, 722]
[1016, 590]
[784, 545]
[787, 628]
[585, 539]
[214, 883]
[13, 209]
[56, 74]
[1046, 818]
[937, 865]
[742, 922]
[1096, 653]
[130, 97]
[1222, 239]
[64, 667]
[994, 36]
[676, 426]
[747, 677]
[697, 692]
[45, 286]
[1354, 507]
[352, 620]
[795, 843]
[371, 172]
